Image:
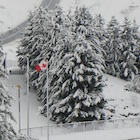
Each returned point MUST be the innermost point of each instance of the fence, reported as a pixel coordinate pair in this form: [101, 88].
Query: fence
[83, 126]
[16, 71]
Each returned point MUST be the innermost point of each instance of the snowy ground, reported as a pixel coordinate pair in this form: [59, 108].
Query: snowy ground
[114, 91]
[125, 103]
[35, 119]
[120, 134]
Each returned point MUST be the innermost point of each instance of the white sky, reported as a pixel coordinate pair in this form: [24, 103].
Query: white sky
[15, 11]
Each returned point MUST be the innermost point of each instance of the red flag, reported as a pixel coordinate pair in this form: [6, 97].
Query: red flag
[41, 66]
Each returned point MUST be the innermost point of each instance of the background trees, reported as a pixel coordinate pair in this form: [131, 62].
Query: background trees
[129, 44]
[112, 46]
[79, 50]
[121, 46]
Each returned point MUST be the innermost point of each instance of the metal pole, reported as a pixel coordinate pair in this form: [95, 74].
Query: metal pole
[27, 96]
[19, 86]
[47, 103]
[19, 107]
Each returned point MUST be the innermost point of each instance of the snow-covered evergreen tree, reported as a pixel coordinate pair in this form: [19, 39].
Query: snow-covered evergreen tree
[54, 23]
[63, 46]
[32, 42]
[99, 23]
[136, 36]
[77, 82]
[112, 47]
[25, 41]
[129, 45]
[6, 130]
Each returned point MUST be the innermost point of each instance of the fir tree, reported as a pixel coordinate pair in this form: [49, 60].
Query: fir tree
[129, 45]
[77, 94]
[77, 82]
[25, 44]
[32, 42]
[53, 26]
[63, 46]
[112, 47]
[6, 130]
[99, 23]
[136, 36]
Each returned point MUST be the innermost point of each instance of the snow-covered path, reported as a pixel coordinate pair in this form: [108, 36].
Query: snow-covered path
[36, 120]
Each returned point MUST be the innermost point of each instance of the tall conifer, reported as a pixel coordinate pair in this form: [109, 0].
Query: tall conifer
[77, 83]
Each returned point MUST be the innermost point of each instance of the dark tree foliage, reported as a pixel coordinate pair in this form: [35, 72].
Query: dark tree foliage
[112, 46]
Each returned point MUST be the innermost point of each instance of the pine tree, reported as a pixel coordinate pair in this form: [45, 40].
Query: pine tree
[25, 44]
[99, 23]
[53, 26]
[6, 130]
[77, 82]
[64, 45]
[112, 47]
[136, 36]
[32, 42]
[129, 45]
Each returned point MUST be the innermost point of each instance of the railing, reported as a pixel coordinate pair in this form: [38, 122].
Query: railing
[83, 126]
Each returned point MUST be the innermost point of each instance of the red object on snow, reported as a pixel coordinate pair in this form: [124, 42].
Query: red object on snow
[41, 66]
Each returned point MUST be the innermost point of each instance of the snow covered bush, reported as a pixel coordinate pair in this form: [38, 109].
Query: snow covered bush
[134, 85]
[20, 137]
